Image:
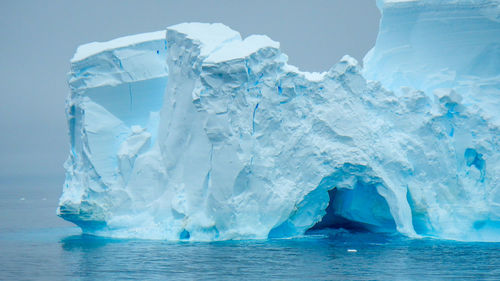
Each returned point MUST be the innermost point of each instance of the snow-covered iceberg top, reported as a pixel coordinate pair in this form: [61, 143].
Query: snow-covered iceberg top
[90, 49]
[196, 133]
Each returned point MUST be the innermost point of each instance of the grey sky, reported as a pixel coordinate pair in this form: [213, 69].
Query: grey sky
[39, 37]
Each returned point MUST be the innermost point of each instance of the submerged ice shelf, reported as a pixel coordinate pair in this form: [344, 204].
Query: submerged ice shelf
[195, 133]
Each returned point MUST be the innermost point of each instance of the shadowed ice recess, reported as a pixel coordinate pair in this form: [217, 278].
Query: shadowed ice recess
[194, 133]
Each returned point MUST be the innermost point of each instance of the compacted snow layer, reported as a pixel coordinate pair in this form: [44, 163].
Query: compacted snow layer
[196, 133]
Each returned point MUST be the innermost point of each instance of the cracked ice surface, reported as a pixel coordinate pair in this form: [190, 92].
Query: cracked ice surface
[195, 133]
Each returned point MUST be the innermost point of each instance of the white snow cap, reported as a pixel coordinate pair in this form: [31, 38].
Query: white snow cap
[90, 49]
[241, 49]
[209, 35]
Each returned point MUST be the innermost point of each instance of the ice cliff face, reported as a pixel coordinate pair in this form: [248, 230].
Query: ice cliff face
[196, 133]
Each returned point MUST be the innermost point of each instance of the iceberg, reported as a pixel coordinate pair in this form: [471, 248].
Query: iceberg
[195, 133]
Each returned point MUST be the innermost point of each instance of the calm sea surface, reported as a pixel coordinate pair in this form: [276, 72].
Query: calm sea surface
[35, 244]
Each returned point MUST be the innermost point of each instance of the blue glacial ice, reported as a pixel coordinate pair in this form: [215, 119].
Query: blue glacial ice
[194, 133]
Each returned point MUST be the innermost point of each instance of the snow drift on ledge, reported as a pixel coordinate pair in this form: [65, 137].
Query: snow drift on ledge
[195, 133]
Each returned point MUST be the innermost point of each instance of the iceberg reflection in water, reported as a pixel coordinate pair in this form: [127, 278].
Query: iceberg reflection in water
[320, 256]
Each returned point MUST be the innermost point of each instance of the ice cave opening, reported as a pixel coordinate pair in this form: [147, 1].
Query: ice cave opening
[356, 207]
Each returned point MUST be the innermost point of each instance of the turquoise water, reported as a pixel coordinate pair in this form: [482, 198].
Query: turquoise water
[35, 244]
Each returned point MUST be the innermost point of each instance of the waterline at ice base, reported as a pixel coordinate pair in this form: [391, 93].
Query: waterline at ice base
[194, 133]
